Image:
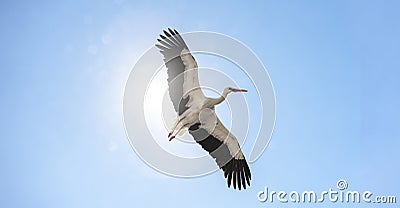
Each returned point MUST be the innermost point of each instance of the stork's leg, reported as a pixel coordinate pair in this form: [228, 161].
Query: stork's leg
[176, 125]
[176, 132]
[173, 129]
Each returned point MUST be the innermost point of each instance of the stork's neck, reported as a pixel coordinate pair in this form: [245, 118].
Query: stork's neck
[216, 101]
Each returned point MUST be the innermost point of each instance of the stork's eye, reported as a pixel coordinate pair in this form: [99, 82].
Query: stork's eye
[230, 88]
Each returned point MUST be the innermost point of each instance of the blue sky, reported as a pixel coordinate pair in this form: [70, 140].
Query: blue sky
[334, 66]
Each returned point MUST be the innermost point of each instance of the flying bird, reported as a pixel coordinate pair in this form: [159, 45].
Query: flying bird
[196, 112]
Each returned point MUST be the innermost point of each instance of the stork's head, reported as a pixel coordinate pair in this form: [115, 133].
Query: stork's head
[236, 90]
[231, 89]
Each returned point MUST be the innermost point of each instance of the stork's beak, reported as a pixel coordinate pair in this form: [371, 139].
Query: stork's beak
[239, 90]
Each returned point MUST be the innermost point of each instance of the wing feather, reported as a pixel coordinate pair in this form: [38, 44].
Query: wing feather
[171, 46]
[228, 156]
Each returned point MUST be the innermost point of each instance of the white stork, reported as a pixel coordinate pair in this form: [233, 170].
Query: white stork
[197, 112]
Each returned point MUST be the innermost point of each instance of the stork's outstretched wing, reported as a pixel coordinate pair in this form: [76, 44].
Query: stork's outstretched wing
[212, 135]
[183, 81]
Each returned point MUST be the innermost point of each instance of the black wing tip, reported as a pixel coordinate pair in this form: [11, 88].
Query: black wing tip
[237, 173]
[169, 32]
[172, 39]
[172, 31]
[166, 33]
